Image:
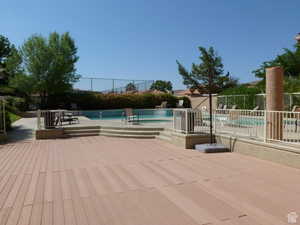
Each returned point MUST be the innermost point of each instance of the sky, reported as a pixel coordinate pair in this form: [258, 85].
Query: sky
[142, 39]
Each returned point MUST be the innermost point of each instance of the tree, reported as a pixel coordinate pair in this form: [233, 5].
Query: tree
[198, 77]
[292, 84]
[161, 85]
[22, 84]
[289, 60]
[10, 60]
[130, 87]
[13, 63]
[5, 48]
[50, 64]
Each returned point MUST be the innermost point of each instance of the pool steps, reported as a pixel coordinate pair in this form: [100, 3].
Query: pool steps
[130, 132]
[165, 135]
[121, 132]
[81, 131]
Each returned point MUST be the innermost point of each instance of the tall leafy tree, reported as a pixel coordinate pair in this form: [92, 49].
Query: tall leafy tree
[5, 48]
[10, 60]
[13, 63]
[289, 60]
[161, 85]
[50, 64]
[210, 64]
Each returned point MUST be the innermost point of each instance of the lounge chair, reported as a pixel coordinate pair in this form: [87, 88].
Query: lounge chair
[163, 105]
[129, 116]
[68, 117]
[180, 104]
[234, 107]
[296, 108]
[220, 106]
[253, 112]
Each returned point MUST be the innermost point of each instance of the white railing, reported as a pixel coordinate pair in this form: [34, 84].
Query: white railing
[48, 118]
[275, 126]
[190, 121]
[283, 126]
[248, 123]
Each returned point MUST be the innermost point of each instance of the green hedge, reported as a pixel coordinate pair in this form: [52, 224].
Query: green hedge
[248, 102]
[92, 101]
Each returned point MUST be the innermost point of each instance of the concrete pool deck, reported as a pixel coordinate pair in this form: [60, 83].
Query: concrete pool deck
[109, 181]
[22, 130]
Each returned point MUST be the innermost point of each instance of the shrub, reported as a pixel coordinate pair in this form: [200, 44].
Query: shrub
[93, 101]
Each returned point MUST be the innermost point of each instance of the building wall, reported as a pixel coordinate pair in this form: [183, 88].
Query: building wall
[200, 101]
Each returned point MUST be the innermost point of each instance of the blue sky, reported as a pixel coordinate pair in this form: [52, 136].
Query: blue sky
[141, 39]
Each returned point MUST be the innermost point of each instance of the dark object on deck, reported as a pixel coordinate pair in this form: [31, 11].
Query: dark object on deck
[211, 148]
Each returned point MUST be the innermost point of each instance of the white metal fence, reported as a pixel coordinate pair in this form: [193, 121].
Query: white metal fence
[276, 126]
[51, 118]
[190, 121]
[45, 119]
[251, 101]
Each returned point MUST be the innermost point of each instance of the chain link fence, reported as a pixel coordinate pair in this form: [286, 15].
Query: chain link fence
[106, 85]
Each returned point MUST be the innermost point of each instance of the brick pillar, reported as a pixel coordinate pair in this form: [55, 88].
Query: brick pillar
[274, 102]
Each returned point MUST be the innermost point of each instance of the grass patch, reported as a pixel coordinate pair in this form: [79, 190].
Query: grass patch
[13, 117]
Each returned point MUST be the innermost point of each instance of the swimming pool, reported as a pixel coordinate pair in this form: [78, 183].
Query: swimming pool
[118, 114]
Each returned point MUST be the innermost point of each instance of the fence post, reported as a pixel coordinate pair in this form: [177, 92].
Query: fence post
[4, 124]
[291, 101]
[265, 125]
[91, 84]
[39, 119]
[174, 112]
[215, 121]
[186, 121]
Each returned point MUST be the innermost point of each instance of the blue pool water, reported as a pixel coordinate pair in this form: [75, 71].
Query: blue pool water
[118, 114]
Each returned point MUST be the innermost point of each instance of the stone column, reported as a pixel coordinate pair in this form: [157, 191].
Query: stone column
[274, 102]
